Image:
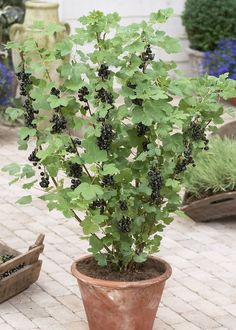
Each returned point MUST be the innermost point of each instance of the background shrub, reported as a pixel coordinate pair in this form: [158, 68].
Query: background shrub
[207, 21]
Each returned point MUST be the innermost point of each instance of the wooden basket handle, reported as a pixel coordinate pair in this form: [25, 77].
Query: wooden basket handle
[223, 200]
[38, 242]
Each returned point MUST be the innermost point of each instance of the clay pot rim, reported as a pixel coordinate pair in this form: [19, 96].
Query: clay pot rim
[121, 284]
[41, 4]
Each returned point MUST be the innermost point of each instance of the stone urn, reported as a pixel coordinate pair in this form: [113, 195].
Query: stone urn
[47, 13]
[195, 60]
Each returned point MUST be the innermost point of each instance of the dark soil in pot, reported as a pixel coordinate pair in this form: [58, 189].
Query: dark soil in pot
[149, 269]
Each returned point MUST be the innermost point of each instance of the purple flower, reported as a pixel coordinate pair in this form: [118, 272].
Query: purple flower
[6, 81]
[221, 60]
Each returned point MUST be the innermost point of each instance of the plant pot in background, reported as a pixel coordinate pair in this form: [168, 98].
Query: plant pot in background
[120, 305]
[195, 59]
[233, 101]
[217, 207]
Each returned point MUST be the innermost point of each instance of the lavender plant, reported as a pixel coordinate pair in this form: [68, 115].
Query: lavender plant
[125, 174]
[222, 59]
[6, 81]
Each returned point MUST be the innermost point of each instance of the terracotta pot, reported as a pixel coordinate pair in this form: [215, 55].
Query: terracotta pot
[233, 101]
[113, 305]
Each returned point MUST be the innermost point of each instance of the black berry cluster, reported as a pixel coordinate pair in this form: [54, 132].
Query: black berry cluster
[105, 139]
[75, 183]
[145, 145]
[197, 133]
[25, 81]
[123, 205]
[75, 171]
[98, 204]
[124, 224]
[108, 181]
[77, 141]
[44, 183]
[142, 129]
[184, 160]
[146, 56]
[5, 258]
[156, 183]
[55, 91]
[104, 96]
[33, 158]
[82, 93]
[104, 71]
[130, 85]
[136, 101]
[72, 147]
[58, 120]
[59, 123]
[30, 112]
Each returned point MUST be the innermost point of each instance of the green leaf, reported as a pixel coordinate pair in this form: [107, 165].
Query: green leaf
[174, 184]
[89, 191]
[89, 227]
[64, 47]
[93, 154]
[57, 102]
[24, 200]
[141, 257]
[101, 259]
[96, 244]
[170, 45]
[27, 171]
[14, 113]
[29, 185]
[51, 28]
[27, 132]
[110, 169]
[12, 169]
[161, 16]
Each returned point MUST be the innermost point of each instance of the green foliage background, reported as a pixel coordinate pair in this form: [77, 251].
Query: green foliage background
[207, 21]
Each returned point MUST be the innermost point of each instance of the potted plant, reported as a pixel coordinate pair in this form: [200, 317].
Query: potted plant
[126, 172]
[211, 186]
[206, 22]
[222, 60]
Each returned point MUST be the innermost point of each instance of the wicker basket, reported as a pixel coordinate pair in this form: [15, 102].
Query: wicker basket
[23, 278]
[221, 206]
[216, 207]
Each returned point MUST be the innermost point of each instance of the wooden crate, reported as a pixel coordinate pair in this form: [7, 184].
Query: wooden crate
[217, 207]
[23, 278]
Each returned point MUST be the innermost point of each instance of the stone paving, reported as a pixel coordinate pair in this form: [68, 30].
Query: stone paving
[201, 293]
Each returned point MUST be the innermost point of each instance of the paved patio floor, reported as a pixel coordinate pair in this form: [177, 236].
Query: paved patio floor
[201, 293]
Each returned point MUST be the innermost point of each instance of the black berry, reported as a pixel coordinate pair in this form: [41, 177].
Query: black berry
[124, 224]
